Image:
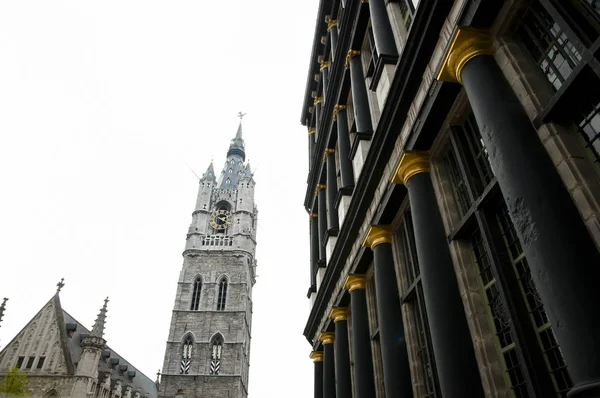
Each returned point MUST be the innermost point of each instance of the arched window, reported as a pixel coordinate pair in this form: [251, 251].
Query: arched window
[186, 354]
[216, 352]
[196, 294]
[222, 297]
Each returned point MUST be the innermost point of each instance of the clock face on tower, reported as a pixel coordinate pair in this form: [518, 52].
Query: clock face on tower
[220, 219]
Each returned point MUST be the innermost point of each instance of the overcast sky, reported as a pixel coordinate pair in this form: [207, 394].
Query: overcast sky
[102, 104]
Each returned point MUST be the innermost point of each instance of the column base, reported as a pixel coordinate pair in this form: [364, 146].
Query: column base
[588, 390]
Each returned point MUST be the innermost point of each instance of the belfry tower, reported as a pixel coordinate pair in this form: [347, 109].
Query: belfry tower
[208, 349]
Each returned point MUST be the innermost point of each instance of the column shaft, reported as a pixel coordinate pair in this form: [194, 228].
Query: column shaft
[560, 251]
[364, 382]
[454, 357]
[322, 200]
[342, 361]
[396, 372]
[382, 29]
[346, 171]
[311, 148]
[319, 379]
[314, 250]
[362, 112]
[325, 80]
[328, 371]
[332, 215]
[333, 36]
[317, 119]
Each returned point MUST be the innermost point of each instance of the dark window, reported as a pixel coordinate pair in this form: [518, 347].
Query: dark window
[196, 294]
[501, 264]
[589, 129]
[20, 362]
[30, 362]
[222, 298]
[40, 362]
[373, 52]
[414, 298]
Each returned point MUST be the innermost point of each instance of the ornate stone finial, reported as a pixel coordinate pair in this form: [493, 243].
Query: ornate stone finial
[331, 24]
[339, 314]
[337, 108]
[324, 65]
[60, 285]
[98, 328]
[466, 44]
[377, 235]
[2, 308]
[351, 53]
[410, 164]
[354, 282]
[317, 100]
[319, 187]
[316, 356]
[241, 115]
[157, 382]
[327, 337]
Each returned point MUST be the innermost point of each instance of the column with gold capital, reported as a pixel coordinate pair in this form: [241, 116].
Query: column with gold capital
[364, 382]
[360, 100]
[560, 251]
[382, 31]
[317, 357]
[311, 146]
[396, 371]
[333, 36]
[324, 69]
[332, 190]
[317, 103]
[343, 380]
[322, 217]
[452, 344]
[328, 364]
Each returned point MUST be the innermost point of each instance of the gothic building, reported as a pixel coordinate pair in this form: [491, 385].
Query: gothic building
[208, 348]
[453, 192]
[62, 358]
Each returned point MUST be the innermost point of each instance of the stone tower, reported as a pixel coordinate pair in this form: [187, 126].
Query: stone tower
[208, 348]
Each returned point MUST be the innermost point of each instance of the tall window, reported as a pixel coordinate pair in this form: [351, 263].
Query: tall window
[222, 297]
[516, 313]
[413, 297]
[186, 355]
[216, 351]
[196, 294]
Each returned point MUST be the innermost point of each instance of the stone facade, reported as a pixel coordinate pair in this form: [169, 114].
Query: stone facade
[213, 304]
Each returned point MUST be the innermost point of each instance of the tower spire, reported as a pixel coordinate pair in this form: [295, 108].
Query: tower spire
[2, 307]
[98, 329]
[209, 173]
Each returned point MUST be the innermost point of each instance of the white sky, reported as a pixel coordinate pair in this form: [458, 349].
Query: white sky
[101, 106]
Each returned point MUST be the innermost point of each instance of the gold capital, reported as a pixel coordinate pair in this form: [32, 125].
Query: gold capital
[466, 44]
[351, 53]
[377, 235]
[331, 24]
[339, 314]
[317, 100]
[324, 65]
[316, 356]
[337, 108]
[354, 282]
[327, 152]
[327, 337]
[311, 130]
[311, 216]
[410, 164]
[319, 187]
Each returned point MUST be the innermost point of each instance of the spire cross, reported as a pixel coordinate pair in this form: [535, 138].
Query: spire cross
[60, 285]
[241, 115]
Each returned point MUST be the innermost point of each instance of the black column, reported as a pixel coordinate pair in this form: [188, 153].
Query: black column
[454, 357]
[382, 30]
[332, 214]
[314, 249]
[343, 381]
[324, 78]
[562, 256]
[360, 101]
[346, 171]
[322, 217]
[311, 146]
[396, 371]
[333, 36]
[317, 105]
[317, 358]
[328, 365]
[364, 382]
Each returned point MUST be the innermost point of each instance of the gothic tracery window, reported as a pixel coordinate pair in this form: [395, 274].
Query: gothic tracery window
[196, 294]
[186, 355]
[222, 297]
[216, 351]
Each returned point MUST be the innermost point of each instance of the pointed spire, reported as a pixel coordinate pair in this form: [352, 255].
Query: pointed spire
[209, 173]
[98, 329]
[238, 135]
[2, 307]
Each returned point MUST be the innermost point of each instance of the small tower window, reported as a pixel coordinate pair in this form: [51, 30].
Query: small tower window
[228, 181]
[230, 171]
[186, 355]
[216, 351]
[196, 294]
[222, 298]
